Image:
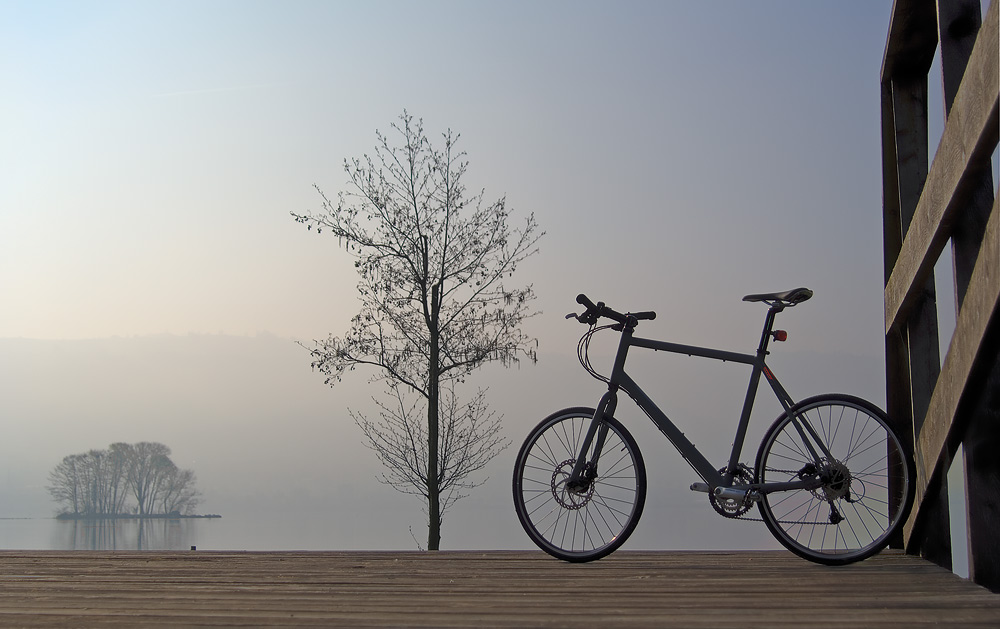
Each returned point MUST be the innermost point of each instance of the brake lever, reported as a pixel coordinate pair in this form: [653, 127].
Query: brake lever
[587, 318]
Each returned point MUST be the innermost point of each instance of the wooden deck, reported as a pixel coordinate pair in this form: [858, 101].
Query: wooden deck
[466, 589]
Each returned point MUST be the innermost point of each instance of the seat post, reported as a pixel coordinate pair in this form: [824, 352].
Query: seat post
[765, 336]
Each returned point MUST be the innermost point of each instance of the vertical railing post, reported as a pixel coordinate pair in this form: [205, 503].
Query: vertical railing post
[914, 350]
[959, 22]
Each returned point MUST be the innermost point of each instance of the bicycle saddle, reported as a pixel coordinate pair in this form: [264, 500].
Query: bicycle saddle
[787, 298]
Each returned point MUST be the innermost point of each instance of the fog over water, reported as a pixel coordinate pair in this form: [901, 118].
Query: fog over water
[279, 458]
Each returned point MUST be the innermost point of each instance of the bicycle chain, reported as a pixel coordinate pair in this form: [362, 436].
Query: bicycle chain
[749, 519]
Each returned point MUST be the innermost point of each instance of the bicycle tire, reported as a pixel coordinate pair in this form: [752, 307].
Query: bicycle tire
[569, 526]
[870, 481]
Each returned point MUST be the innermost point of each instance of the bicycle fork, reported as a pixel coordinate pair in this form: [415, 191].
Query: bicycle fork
[584, 471]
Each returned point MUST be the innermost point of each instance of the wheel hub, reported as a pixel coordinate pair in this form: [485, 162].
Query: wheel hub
[570, 498]
[836, 480]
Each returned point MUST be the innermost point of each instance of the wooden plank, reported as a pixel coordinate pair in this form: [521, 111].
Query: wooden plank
[981, 306]
[898, 408]
[968, 140]
[981, 442]
[912, 39]
[913, 366]
[958, 23]
[466, 589]
[932, 539]
[909, 110]
[896, 350]
[892, 237]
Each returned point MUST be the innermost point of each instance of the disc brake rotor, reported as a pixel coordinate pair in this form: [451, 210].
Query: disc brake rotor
[566, 498]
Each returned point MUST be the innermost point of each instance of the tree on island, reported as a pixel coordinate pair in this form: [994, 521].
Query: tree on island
[126, 479]
[433, 261]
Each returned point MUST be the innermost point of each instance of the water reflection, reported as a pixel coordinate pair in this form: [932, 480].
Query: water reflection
[125, 534]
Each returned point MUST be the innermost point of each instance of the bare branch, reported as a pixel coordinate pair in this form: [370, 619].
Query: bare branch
[469, 438]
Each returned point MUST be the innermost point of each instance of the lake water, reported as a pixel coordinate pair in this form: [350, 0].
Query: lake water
[381, 521]
[118, 534]
[262, 532]
[272, 522]
[164, 534]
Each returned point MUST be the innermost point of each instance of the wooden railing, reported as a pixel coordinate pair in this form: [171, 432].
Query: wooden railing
[942, 405]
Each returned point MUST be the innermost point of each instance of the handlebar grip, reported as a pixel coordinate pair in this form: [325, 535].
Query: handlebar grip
[600, 310]
[614, 315]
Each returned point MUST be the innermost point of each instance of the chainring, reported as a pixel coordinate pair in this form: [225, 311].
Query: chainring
[730, 507]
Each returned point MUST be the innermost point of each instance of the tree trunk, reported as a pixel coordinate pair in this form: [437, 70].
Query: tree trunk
[433, 487]
[433, 397]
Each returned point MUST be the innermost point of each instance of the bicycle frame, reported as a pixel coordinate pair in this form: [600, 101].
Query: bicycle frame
[619, 379]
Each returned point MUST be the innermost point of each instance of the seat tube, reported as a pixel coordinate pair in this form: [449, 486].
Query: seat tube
[741, 429]
[758, 368]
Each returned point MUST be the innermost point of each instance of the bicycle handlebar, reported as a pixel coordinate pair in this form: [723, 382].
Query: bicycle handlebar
[595, 311]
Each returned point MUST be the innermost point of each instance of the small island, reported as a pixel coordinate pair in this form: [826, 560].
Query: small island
[124, 482]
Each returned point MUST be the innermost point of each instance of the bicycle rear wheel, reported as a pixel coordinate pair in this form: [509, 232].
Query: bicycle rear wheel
[586, 524]
[868, 480]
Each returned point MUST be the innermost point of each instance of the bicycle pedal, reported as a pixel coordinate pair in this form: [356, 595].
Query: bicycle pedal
[702, 487]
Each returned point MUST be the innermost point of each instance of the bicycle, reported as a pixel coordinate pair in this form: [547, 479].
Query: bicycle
[832, 481]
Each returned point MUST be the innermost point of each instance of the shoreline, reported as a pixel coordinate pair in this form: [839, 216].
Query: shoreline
[133, 516]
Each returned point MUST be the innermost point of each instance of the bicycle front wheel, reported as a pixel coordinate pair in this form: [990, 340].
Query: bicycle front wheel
[586, 523]
[867, 479]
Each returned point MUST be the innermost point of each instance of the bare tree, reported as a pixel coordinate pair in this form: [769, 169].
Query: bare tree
[81, 483]
[147, 465]
[117, 463]
[100, 482]
[65, 484]
[432, 261]
[469, 438]
[178, 493]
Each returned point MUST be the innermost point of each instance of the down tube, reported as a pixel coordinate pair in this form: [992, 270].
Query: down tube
[687, 449]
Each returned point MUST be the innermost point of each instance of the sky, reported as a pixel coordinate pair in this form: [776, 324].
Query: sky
[678, 155]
